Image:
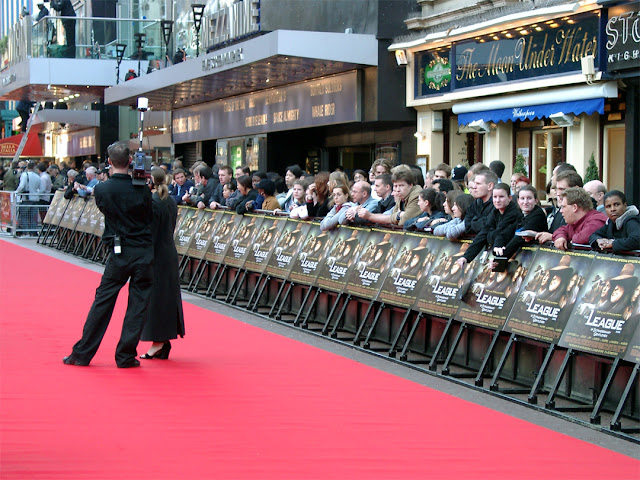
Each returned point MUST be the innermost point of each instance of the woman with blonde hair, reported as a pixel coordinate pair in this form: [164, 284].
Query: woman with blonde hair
[165, 319]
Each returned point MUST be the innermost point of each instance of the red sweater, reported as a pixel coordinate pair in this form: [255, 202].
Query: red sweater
[580, 231]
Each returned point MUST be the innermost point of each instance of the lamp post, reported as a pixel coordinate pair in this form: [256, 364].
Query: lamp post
[120, 48]
[198, 11]
[139, 45]
[167, 28]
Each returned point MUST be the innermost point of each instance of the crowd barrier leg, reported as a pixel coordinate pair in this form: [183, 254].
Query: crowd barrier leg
[275, 300]
[433, 364]
[394, 343]
[302, 305]
[479, 381]
[615, 420]
[316, 295]
[183, 264]
[212, 280]
[550, 402]
[232, 285]
[260, 291]
[454, 346]
[278, 315]
[327, 323]
[219, 280]
[80, 243]
[233, 298]
[200, 269]
[412, 332]
[87, 248]
[595, 414]
[533, 394]
[367, 341]
[494, 385]
[356, 339]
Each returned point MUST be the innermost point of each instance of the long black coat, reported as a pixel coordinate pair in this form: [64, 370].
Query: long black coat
[165, 320]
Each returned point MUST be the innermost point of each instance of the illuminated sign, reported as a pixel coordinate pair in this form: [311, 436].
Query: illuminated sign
[623, 37]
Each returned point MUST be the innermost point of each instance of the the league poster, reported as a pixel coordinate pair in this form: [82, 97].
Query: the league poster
[289, 243]
[311, 256]
[60, 211]
[633, 349]
[187, 221]
[96, 218]
[263, 245]
[372, 266]
[440, 294]
[414, 259]
[188, 230]
[182, 211]
[345, 251]
[202, 237]
[83, 223]
[488, 301]
[222, 236]
[603, 320]
[58, 202]
[548, 294]
[242, 239]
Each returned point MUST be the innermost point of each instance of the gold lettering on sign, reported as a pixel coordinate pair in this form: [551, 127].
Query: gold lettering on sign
[325, 87]
[256, 120]
[317, 111]
[234, 105]
[277, 96]
[574, 44]
[286, 116]
[186, 124]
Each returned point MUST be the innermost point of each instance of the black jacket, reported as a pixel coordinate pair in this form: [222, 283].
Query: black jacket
[477, 215]
[497, 231]
[625, 232]
[127, 212]
[319, 210]
[536, 221]
[241, 204]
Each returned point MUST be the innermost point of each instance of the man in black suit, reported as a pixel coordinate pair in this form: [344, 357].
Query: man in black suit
[128, 214]
[181, 186]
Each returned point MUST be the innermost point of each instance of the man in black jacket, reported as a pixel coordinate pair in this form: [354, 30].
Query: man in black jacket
[481, 208]
[127, 233]
[65, 9]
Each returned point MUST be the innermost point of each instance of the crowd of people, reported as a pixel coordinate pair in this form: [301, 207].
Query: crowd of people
[450, 202]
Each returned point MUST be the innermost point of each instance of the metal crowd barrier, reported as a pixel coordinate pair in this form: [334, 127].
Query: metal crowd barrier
[526, 334]
[21, 214]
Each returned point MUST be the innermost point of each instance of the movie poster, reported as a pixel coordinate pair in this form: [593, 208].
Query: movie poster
[83, 224]
[287, 247]
[180, 217]
[346, 248]
[188, 230]
[222, 236]
[307, 264]
[550, 289]
[602, 322]
[184, 223]
[95, 219]
[371, 269]
[5, 207]
[202, 237]
[243, 238]
[263, 245]
[633, 349]
[489, 299]
[58, 202]
[440, 293]
[65, 221]
[75, 212]
[60, 211]
[99, 231]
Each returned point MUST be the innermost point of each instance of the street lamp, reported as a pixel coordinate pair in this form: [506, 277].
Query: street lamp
[198, 11]
[167, 28]
[139, 45]
[120, 48]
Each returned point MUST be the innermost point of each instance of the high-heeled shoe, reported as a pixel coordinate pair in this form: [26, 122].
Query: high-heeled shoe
[162, 354]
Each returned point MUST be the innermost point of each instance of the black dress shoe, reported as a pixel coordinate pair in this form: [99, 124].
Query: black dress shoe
[132, 364]
[72, 360]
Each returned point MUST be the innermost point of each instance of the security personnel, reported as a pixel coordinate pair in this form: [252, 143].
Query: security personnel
[128, 215]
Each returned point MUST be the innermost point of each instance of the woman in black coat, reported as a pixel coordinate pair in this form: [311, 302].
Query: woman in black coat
[534, 219]
[165, 319]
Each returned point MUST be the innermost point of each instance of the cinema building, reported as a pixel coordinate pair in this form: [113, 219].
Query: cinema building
[271, 83]
[511, 81]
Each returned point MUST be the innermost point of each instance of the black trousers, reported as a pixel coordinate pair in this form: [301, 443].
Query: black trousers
[119, 269]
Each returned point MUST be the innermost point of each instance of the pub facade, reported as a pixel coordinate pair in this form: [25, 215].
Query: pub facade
[511, 82]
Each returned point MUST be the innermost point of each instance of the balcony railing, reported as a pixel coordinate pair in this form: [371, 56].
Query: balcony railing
[95, 38]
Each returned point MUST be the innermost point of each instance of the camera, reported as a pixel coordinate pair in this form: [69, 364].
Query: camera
[140, 168]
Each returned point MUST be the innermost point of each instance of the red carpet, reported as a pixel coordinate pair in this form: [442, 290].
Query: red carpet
[236, 402]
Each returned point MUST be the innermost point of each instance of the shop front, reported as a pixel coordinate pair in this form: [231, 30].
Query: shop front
[529, 86]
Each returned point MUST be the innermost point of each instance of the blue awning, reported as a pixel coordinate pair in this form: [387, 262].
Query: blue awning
[534, 111]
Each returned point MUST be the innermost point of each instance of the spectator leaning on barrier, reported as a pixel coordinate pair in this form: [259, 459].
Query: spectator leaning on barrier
[533, 219]
[30, 183]
[361, 195]
[225, 175]
[565, 177]
[86, 190]
[204, 188]
[431, 208]
[319, 204]
[71, 184]
[181, 185]
[383, 186]
[248, 194]
[481, 188]
[294, 172]
[455, 227]
[267, 188]
[582, 219]
[342, 201]
[621, 233]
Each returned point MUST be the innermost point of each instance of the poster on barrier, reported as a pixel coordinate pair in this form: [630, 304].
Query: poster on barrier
[414, 259]
[348, 243]
[222, 236]
[246, 233]
[489, 299]
[5, 208]
[72, 214]
[287, 247]
[184, 215]
[57, 201]
[603, 320]
[306, 265]
[633, 349]
[549, 292]
[200, 240]
[95, 219]
[83, 224]
[262, 248]
[188, 230]
[439, 294]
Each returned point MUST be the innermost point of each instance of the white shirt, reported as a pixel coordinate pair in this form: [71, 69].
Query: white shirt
[45, 186]
[29, 183]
